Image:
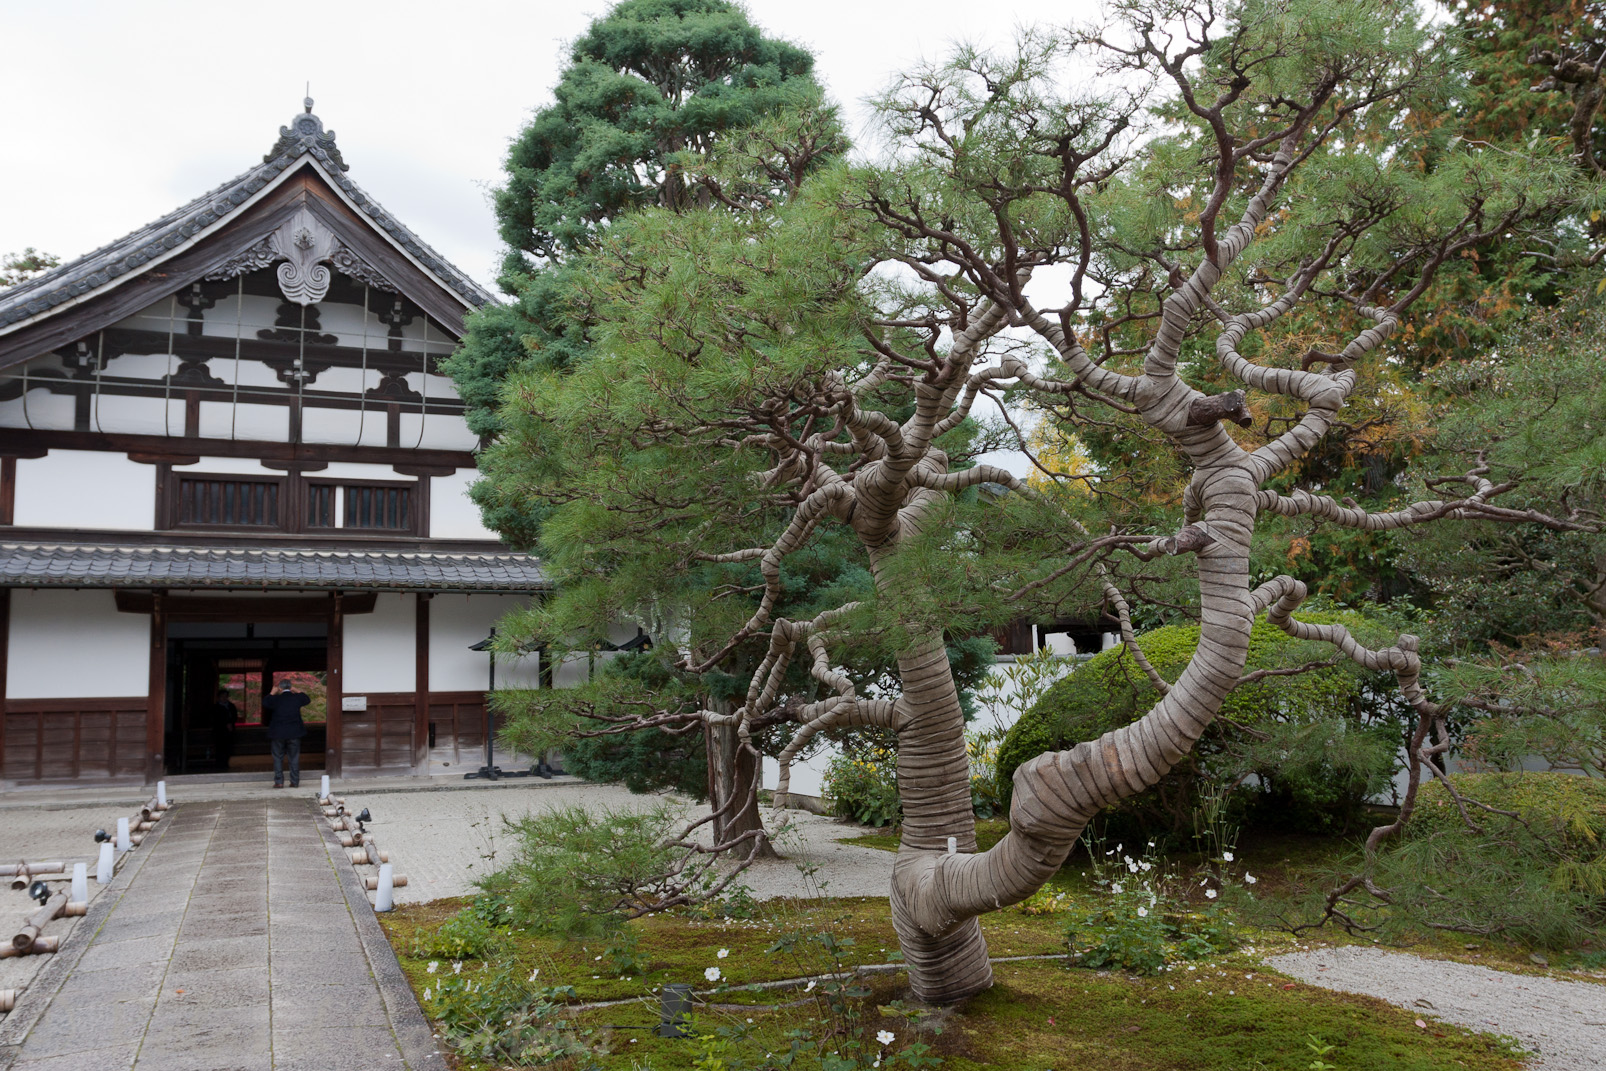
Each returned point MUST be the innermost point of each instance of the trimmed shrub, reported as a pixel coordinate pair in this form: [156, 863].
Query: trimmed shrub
[1301, 752]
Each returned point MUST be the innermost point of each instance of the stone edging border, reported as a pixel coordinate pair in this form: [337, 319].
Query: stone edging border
[418, 1045]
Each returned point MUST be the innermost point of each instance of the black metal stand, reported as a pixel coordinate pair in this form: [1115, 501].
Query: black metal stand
[491, 771]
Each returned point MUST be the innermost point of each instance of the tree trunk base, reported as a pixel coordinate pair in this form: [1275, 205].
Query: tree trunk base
[947, 969]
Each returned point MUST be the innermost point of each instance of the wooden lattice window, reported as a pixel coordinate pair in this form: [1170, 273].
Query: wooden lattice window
[291, 503]
[218, 501]
[383, 507]
[321, 505]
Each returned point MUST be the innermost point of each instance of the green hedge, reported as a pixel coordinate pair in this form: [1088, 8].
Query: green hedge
[1311, 748]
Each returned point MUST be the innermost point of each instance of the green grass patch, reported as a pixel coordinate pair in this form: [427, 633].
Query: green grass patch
[1039, 1015]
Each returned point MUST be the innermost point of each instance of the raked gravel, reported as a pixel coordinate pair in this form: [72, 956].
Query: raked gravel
[1564, 1022]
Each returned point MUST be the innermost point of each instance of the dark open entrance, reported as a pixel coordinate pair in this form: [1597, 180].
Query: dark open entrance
[248, 659]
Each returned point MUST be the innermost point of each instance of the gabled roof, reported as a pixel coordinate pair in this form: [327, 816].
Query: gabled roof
[304, 143]
[83, 565]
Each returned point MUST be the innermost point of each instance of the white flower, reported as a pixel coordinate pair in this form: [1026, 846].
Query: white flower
[1132, 868]
[426, 994]
[434, 963]
[712, 974]
[722, 953]
[1116, 888]
[1210, 894]
[886, 1037]
[534, 974]
[808, 987]
[1143, 912]
[1249, 879]
[1146, 867]
[597, 960]
[457, 966]
[1227, 856]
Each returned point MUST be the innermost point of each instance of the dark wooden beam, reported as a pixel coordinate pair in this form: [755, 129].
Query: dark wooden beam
[156, 696]
[334, 690]
[5, 663]
[8, 490]
[17, 442]
[311, 397]
[359, 539]
[243, 608]
[278, 352]
[421, 684]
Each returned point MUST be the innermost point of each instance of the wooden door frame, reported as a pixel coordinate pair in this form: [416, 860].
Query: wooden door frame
[156, 701]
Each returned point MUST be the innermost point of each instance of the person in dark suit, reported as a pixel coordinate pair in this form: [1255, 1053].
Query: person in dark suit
[224, 715]
[281, 713]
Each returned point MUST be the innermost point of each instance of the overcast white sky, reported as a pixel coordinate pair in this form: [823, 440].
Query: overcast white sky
[118, 112]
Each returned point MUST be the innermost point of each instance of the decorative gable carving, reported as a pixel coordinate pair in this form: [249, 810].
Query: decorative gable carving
[304, 243]
[302, 246]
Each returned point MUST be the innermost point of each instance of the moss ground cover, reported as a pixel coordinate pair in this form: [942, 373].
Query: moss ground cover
[1224, 1012]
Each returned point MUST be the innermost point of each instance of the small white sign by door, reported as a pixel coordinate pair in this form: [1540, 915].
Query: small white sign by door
[354, 702]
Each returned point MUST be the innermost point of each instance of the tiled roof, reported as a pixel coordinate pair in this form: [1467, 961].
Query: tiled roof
[93, 566]
[304, 137]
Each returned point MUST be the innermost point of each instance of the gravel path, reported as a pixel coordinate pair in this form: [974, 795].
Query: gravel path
[1564, 1022]
[443, 840]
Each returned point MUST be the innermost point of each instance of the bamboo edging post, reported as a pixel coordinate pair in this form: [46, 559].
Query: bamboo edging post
[25, 938]
[41, 946]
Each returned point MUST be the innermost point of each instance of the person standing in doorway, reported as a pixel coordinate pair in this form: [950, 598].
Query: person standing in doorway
[224, 715]
[281, 713]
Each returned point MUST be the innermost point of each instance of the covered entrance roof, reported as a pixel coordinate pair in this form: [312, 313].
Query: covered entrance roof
[83, 565]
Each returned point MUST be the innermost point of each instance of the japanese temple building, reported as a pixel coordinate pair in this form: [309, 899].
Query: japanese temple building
[228, 454]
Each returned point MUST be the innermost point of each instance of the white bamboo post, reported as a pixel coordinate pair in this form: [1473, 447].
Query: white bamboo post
[384, 896]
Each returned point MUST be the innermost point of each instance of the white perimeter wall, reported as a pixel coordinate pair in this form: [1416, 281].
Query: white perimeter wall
[455, 622]
[379, 647]
[85, 489]
[75, 645]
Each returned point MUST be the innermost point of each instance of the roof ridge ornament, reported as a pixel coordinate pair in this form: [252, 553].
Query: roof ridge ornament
[306, 133]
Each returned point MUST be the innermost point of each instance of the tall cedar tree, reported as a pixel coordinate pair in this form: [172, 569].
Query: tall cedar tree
[652, 87]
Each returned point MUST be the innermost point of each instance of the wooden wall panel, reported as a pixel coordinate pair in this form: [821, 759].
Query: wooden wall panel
[458, 720]
[58, 740]
[379, 739]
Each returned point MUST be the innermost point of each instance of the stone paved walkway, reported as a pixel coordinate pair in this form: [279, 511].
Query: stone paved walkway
[238, 938]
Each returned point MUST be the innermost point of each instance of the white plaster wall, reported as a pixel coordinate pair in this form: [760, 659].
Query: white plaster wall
[245, 421]
[74, 645]
[339, 426]
[39, 409]
[808, 776]
[452, 514]
[455, 622]
[137, 416]
[436, 431]
[380, 647]
[234, 466]
[85, 489]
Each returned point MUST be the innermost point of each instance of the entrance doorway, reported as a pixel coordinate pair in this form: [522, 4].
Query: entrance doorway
[248, 660]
